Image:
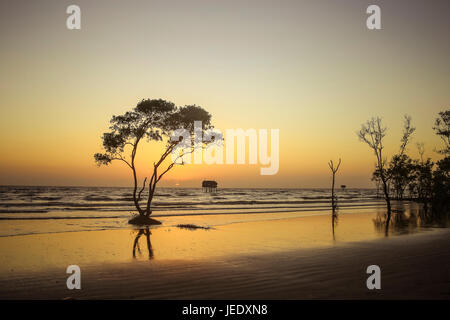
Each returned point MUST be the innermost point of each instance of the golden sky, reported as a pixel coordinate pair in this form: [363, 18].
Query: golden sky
[309, 68]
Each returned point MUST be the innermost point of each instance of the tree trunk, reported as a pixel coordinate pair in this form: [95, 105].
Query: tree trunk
[135, 199]
[148, 211]
[151, 191]
[133, 168]
[386, 196]
[154, 180]
[332, 194]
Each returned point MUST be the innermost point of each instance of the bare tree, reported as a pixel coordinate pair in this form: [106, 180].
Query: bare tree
[333, 171]
[334, 219]
[373, 133]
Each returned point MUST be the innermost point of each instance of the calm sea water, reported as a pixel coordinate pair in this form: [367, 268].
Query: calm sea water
[87, 208]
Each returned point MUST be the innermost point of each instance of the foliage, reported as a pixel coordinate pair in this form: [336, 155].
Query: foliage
[425, 181]
[372, 133]
[400, 173]
[442, 129]
[151, 120]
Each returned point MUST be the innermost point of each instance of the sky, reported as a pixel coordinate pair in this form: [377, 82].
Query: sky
[311, 69]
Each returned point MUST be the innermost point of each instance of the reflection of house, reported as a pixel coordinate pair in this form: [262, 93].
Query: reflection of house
[209, 186]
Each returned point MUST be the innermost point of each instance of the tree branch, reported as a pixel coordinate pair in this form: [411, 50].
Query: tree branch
[122, 159]
[142, 189]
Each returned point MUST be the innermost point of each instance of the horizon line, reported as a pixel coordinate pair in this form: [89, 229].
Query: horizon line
[84, 186]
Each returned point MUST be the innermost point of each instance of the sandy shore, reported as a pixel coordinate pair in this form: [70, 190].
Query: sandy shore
[413, 266]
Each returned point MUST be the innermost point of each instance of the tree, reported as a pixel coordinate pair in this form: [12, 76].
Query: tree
[441, 176]
[400, 172]
[333, 171]
[442, 129]
[408, 130]
[334, 218]
[441, 186]
[372, 133]
[422, 180]
[153, 120]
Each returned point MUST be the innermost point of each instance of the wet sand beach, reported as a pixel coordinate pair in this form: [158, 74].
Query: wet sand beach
[292, 258]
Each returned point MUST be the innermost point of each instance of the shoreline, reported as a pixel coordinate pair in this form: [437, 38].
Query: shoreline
[57, 222]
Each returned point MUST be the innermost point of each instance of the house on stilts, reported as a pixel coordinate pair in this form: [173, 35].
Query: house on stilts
[209, 186]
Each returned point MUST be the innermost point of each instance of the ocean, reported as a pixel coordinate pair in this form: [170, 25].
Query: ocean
[93, 208]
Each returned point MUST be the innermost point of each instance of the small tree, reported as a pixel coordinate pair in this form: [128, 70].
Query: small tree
[400, 171]
[441, 186]
[423, 180]
[153, 120]
[333, 172]
[334, 218]
[373, 133]
[442, 129]
[441, 176]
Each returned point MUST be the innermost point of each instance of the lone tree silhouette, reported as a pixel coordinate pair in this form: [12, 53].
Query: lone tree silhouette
[153, 120]
[334, 217]
[333, 171]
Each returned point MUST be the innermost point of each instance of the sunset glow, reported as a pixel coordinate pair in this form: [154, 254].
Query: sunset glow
[316, 79]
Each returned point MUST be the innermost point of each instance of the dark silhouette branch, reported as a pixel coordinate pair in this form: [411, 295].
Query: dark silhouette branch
[142, 189]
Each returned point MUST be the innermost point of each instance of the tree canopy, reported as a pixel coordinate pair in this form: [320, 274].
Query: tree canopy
[150, 120]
